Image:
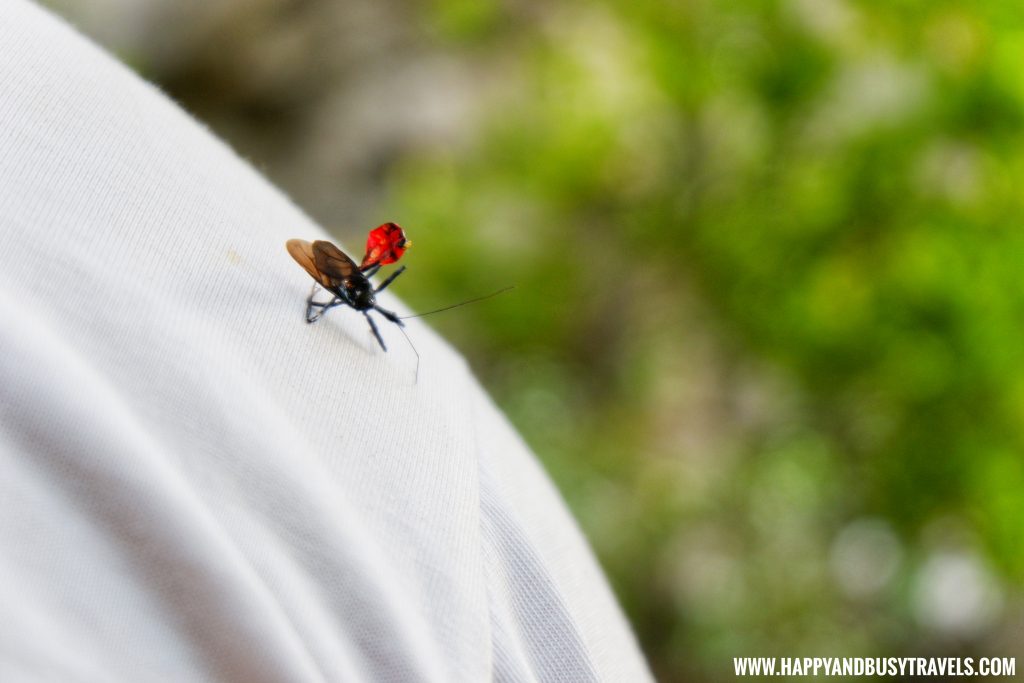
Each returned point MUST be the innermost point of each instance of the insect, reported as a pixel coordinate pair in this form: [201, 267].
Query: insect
[333, 270]
[350, 283]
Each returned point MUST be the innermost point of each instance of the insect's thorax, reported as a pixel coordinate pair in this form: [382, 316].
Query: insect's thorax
[359, 292]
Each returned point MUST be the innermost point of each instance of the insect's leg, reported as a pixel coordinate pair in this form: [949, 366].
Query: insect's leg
[333, 302]
[372, 270]
[312, 293]
[310, 304]
[376, 332]
[311, 318]
[393, 317]
[390, 279]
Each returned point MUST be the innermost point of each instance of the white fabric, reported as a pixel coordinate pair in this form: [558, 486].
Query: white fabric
[197, 485]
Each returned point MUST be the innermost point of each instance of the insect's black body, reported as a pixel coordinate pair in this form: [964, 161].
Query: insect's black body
[358, 291]
[339, 275]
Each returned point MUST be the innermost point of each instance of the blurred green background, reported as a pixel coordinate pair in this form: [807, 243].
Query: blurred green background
[768, 258]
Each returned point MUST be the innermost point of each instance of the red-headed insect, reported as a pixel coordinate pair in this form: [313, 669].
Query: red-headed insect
[350, 284]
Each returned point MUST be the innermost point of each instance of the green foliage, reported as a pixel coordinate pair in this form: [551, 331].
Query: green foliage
[768, 266]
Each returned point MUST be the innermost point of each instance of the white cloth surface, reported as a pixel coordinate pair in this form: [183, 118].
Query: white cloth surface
[196, 484]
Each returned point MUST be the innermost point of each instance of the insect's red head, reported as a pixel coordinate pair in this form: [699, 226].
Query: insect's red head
[385, 244]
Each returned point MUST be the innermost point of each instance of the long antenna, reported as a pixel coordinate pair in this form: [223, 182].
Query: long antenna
[463, 303]
[416, 378]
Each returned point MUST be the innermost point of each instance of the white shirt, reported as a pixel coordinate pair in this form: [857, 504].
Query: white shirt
[196, 484]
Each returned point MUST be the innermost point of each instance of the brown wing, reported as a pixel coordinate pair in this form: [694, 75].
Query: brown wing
[302, 252]
[334, 265]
